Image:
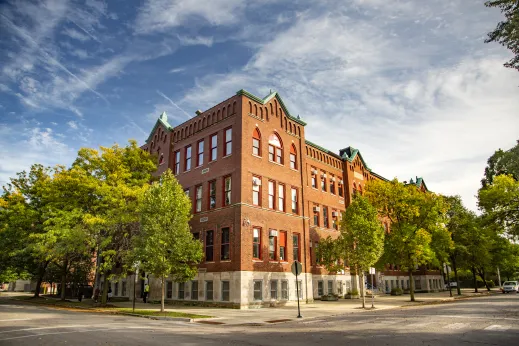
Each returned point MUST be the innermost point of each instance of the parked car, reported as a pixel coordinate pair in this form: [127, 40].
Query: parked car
[510, 286]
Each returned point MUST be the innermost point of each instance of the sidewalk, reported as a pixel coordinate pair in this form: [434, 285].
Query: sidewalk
[318, 309]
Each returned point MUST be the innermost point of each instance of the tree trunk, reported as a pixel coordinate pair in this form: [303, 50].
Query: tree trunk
[162, 295]
[41, 273]
[104, 294]
[411, 285]
[481, 274]
[475, 281]
[64, 279]
[455, 268]
[448, 280]
[362, 289]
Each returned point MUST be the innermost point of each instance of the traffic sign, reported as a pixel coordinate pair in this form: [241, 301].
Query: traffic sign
[297, 268]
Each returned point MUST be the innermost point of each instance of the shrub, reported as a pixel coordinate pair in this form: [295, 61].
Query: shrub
[396, 291]
[490, 283]
[354, 292]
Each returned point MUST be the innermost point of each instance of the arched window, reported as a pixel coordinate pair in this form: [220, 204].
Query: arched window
[360, 189]
[256, 142]
[275, 149]
[161, 159]
[354, 189]
[293, 157]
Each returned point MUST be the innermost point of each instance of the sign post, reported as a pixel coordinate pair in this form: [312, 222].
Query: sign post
[372, 271]
[296, 270]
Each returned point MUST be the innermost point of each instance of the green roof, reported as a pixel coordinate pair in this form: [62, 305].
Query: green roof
[162, 120]
[267, 99]
[418, 182]
[350, 153]
[322, 149]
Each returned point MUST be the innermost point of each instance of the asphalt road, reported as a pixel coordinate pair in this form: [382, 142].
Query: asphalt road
[490, 320]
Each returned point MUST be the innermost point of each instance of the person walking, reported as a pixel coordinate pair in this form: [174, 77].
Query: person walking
[109, 293]
[146, 292]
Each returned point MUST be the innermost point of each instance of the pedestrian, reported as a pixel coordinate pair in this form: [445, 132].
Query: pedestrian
[146, 292]
[109, 293]
[96, 294]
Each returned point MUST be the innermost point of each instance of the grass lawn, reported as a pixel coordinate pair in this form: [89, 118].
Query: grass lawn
[158, 313]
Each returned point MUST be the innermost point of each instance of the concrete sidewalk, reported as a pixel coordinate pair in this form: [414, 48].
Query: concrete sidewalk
[315, 310]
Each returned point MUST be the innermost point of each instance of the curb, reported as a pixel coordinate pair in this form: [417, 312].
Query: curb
[161, 318]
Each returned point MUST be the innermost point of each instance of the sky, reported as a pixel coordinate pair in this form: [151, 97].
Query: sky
[411, 84]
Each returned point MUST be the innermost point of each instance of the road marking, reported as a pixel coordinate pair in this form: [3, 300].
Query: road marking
[420, 324]
[497, 327]
[16, 319]
[314, 321]
[456, 325]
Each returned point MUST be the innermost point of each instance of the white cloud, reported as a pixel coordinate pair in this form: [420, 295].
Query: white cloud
[174, 70]
[73, 125]
[160, 15]
[74, 34]
[196, 40]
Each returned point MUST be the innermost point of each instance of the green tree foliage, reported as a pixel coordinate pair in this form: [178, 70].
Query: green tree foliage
[416, 218]
[502, 162]
[165, 245]
[507, 32]
[500, 202]
[362, 238]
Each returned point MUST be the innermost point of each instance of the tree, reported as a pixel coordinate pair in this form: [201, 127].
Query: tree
[507, 32]
[500, 202]
[165, 245]
[502, 162]
[415, 217]
[362, 238]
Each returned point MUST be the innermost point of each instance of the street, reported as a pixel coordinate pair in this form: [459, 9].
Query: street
[491, 320]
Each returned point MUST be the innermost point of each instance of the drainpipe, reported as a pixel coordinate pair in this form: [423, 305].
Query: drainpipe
[303, 214]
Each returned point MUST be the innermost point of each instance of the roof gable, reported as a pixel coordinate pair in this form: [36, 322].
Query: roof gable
[350, 153]
[267, 99]
[162, 120]
[419, 182]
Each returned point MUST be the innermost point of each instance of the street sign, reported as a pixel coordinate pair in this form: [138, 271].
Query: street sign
[372, 270]
[297, 268]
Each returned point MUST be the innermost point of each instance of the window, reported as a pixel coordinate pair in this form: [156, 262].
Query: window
[186, 191]
[293, 157]
[226, 248]
[294, 200]
[316, 215]
[325, 217]
[225, 291]
[161, 159]
[227, 190]
[116, 289]
[295, 246]
[299, 289]
[314, 179]
[256, 243]
[256, 142]
[256, 190]
[187, 160]
[181, 290]
[177, 161]
[209, 242]
[339, 288]
[335, 224]
[194, 290]
[284, 289]
[272, 244]
[330, 287]
[332, 185]
[281, 197]
[214, 147]
[273, 289]
[200, 156]
[208, 290]
[198, 198]
[354, 192]
[275, 149]
[282, 246]
[320, 288]
[212, 194]
[258, 293]
[323, 182]
[123, 288]
[340, 188]
[228, 142]
[272, 194]
[169, 289]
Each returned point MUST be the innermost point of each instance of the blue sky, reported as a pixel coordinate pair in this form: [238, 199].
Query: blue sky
[409, 83]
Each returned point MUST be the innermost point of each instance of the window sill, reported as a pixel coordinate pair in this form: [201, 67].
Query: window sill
[256, 156]
[226, 156]
[197, 167]
[225, 261]
[279, 164]
[209, 262]
[210, 162]
[189, 170]
[257, 260]
[295, 170]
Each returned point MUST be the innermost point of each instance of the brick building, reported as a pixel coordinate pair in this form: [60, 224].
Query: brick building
[263, 196]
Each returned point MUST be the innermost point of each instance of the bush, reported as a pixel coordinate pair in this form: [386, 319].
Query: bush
[354, 292]
[490, 283]
[396, 291]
